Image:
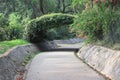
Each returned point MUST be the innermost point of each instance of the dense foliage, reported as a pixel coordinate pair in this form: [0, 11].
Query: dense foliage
[10, 28]
[15, 28]
[37, 28]
[35, 8]
[62, 32]
[3, 25]
[100, 21]
[15, 14]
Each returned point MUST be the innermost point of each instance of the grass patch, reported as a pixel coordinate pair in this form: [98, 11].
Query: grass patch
[5, 45]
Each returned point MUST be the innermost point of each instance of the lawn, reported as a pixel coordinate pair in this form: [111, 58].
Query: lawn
[5, 45]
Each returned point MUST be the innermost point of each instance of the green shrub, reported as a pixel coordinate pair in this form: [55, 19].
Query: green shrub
[89, 22]
[3, 35]
[3, 25]
[62, 32]
[99, 23]
[15, 28]
[52, 34]
[3, 20]
[36, 29]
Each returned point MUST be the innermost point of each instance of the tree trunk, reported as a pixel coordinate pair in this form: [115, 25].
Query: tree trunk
[58, 6]
[63, 10]
[41, 6]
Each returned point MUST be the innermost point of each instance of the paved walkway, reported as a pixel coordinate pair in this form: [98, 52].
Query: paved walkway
[60, 66]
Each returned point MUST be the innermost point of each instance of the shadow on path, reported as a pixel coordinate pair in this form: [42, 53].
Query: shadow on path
[61, 45]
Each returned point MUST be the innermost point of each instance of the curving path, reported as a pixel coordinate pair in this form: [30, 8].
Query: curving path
[60, 66]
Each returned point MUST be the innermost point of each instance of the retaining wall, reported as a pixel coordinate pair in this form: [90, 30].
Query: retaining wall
[104, 60]
[12, 60]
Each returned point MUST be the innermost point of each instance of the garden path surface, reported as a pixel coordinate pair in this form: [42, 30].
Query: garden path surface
[60, 65]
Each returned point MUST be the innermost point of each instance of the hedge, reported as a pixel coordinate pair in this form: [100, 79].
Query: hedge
[35, 30]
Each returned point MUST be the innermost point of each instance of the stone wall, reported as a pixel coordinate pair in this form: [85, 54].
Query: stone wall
[12, 59]
[104, 60]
